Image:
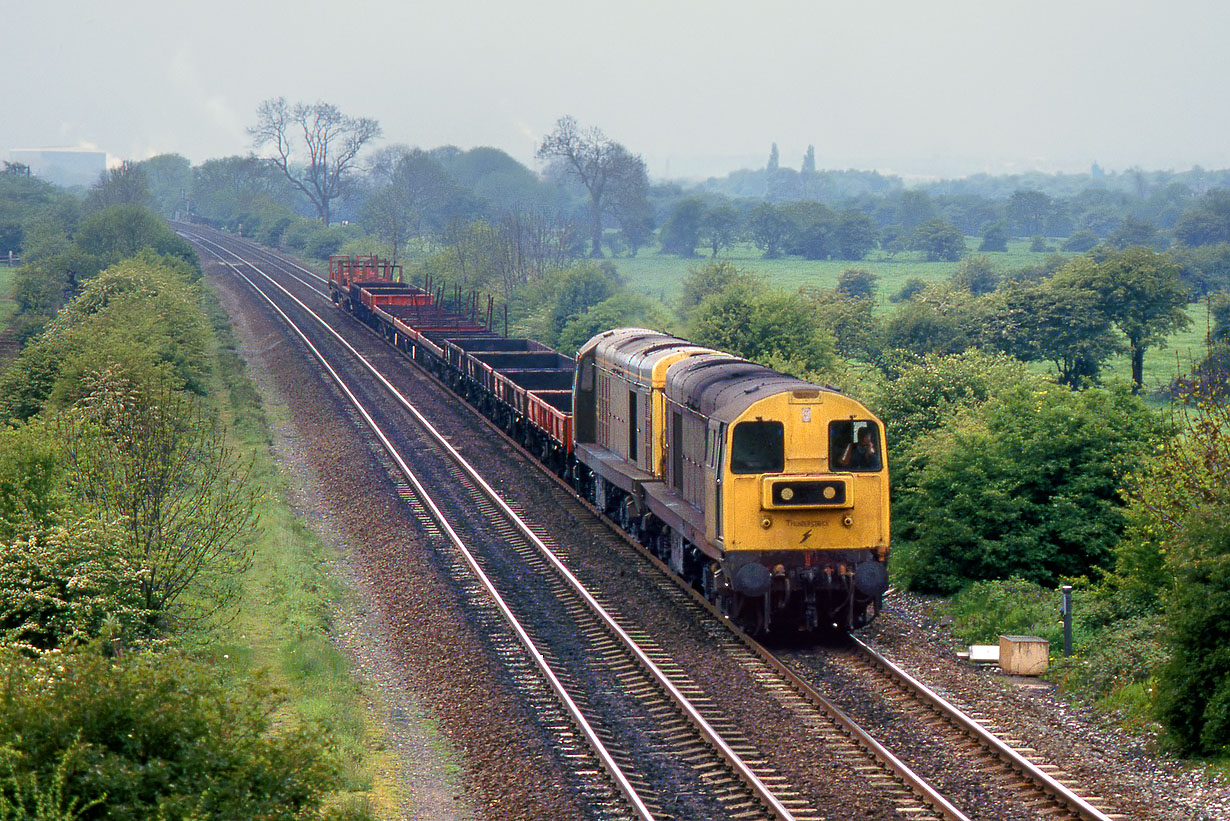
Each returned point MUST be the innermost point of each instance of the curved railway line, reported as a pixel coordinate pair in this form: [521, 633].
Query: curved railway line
[685, 717]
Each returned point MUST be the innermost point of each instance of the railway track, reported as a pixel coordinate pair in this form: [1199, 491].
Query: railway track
[726, 771]
[557, 616]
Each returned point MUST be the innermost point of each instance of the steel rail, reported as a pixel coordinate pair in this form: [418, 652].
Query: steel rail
[741, 768]
[925, 791]
[985, 737]
[604, 756]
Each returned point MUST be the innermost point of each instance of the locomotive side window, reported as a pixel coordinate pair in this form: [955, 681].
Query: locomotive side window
[854, 444]
[757, 447]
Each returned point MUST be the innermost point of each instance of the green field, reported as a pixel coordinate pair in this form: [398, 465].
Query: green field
[660, 277]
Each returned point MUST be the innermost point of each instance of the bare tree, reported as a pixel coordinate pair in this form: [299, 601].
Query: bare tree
[532, 242]
[611, 175]
[331, 139]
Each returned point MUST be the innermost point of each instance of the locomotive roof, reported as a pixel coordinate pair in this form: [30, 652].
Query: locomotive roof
[639, 352]
[721, 386]
[615, 337]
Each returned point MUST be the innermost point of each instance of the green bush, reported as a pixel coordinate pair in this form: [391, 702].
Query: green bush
[110, 323]
[325, 242]
[156, 736]
[766, 325]
[984, 611]
[299, 233]
[271, 232]
[1194, 694]
[1028, 484]
[1130, 653]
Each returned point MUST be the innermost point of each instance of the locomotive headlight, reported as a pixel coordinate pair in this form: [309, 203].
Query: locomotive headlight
[788, 493]
[829, 491]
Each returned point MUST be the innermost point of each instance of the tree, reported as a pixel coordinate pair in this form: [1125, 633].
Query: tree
[994, 238]
[121, 231]
[857, 283]
[809, 160]
[1080, 242]
[769, 326]
[854, 234]
[223, 188]
[155, 468]
[813, 232]
[581, 288]
[1037, 321]
[977, 275]
[1182, 545]
[621, 310]
[170, 182]
[920, 328]
[389, 219]
[126, 185]
[926, 393]
[636, 228]
[768, 228]
[681, 231]
[1133, 231]
[1029, 211]
[774, 161]
[332, 142]
[915, 208]
[719, 226]
[708, 278]
[939, 240]
[856, 330]
[1207, 222]
[1139, 292]
[418, 197]
[609, 173]
[912, 287]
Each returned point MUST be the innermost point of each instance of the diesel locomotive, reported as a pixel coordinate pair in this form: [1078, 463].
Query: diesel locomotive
[766, 492]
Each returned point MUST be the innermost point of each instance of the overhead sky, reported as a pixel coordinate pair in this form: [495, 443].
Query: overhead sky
[698, 88]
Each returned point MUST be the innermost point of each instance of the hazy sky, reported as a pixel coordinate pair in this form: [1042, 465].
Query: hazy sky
[928, 87]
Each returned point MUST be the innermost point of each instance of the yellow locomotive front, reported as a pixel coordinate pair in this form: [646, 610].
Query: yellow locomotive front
[768, 493]
[792, 483]
[801, 509]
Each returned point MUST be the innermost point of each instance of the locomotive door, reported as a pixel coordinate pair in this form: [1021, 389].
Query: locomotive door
[715, 450]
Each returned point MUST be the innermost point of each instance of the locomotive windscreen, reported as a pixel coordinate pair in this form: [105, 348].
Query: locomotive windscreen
[758, 447]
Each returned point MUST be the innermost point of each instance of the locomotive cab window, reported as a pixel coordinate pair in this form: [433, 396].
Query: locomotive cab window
[854, 444]
[758, 447]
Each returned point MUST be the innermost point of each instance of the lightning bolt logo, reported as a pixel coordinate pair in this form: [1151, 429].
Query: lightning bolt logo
[806, 536]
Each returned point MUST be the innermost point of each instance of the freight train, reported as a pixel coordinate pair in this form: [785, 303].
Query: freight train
[767, 493]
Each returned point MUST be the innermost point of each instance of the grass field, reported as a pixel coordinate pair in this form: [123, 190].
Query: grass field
[660, 277]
